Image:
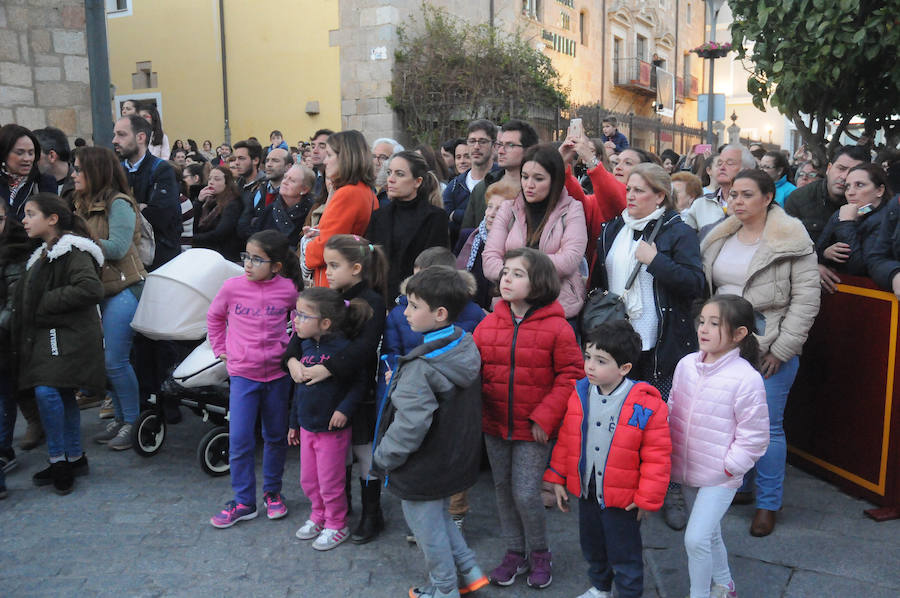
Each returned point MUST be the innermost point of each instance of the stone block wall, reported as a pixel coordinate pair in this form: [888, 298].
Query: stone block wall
[44, 66]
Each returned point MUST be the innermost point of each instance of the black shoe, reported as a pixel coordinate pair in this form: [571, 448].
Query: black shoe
[44, 477]
[63, 480]
[372, 520]
[80, 466]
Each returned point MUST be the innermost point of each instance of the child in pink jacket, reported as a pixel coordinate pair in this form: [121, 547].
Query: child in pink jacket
[247, 324]
[719, 424]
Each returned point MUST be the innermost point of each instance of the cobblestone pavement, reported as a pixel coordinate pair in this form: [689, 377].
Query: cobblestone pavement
[139, 527]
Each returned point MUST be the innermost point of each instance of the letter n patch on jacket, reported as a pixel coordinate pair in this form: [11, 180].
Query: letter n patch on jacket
[640, 416]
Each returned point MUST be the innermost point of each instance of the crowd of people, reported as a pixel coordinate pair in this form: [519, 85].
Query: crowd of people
[404, 310]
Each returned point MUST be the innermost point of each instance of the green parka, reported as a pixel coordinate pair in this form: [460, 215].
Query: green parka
[56, 319]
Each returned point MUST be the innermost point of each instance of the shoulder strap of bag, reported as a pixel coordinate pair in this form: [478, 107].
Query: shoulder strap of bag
[637, 268]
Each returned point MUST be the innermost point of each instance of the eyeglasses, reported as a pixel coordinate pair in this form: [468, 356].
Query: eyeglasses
[255, 260]
[766, 167]
[481, 142]
[299, 316]
[731, 163]
[508, 146]
[381, 157]
[807, 175]
[76, 169]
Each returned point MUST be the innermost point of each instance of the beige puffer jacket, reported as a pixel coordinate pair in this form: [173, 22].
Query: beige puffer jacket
[782, 282]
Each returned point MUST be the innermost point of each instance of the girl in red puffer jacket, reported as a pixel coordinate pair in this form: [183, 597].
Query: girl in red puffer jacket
[530, 361]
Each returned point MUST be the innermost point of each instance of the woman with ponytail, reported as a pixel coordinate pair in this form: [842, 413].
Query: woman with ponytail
[410, 223]
[57, 337]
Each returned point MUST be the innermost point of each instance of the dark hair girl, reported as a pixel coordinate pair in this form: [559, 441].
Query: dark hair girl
[65, 353]
[20, 177]
[220, 212]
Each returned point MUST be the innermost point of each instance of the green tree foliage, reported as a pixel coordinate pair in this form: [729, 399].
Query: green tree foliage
[831, 59]
[448, 72]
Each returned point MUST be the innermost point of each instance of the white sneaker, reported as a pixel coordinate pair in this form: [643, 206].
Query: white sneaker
[309, 530]
[720, 591]
[595, 593]
[329, 538]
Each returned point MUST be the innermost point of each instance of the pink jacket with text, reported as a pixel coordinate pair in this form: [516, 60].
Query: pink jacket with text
[718, 419]
[247, 321]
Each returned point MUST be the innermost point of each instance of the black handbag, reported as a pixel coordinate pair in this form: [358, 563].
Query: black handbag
[604, 306]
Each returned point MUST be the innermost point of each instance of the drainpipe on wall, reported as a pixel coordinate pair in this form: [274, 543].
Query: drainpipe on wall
[98, 71]
[603, 43]
[224, 70]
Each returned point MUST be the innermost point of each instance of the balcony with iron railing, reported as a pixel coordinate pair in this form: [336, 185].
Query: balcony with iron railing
[635, 75]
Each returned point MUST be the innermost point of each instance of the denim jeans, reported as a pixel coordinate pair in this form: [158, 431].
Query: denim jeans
[769, 470]
[270, 401]
[7, 415]
[118, 311]
[611, 545]
[445, 549]
[62, 420]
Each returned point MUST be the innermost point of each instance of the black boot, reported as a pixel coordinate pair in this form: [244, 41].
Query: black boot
[372, 520]
[347, 486]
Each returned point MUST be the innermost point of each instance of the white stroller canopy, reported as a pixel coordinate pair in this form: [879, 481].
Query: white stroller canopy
[178, 294]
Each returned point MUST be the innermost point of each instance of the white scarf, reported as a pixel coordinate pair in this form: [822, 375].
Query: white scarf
[623, 261]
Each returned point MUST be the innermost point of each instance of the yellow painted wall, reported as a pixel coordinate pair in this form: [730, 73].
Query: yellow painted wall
[278, 59]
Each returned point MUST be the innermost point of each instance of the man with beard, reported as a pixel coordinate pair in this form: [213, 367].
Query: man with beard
[480, 138]
[153, 186]
[155, 189]
[277, 163]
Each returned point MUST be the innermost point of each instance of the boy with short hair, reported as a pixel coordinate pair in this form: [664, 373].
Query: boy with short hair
[613, 139]
[399, 339]
[614, 453]
[428, 435]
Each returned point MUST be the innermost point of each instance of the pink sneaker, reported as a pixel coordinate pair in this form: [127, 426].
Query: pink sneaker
[275, 507]
[232, 513]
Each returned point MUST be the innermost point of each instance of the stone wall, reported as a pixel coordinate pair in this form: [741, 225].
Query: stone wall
[44, 66]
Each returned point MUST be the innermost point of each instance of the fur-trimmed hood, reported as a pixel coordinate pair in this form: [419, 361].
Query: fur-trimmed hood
[783, 235]
[67, 243]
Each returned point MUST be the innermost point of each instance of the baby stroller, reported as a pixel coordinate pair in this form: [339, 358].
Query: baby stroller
[173, 306]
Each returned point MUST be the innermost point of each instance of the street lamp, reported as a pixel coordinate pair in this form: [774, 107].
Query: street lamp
[712, 13]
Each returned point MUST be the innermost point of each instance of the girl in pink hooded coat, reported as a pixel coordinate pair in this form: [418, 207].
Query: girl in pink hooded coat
[719, 424]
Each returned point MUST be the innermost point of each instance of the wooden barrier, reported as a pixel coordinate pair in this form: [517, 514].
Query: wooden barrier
[840, 420]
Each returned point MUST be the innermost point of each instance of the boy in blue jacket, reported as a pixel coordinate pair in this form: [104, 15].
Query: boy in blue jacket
[428, 431]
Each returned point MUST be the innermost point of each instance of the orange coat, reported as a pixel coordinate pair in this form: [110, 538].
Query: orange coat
[347, 213]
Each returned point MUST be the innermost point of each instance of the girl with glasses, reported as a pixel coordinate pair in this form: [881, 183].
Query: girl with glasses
[247, 324]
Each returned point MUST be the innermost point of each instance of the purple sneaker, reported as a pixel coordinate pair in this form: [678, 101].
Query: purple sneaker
[513, 564]
[232, 513]
[275, 507]
[541, 564]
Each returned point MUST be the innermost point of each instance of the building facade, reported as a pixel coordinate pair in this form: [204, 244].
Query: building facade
[302, 65]
[274, 57]
[44, 77]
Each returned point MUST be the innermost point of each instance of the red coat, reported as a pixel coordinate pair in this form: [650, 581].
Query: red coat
[607, 202]
[639, 461]
[527, 371]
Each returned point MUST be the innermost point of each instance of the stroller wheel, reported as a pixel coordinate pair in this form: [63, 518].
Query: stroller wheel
[213, 452]
[148, 433]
